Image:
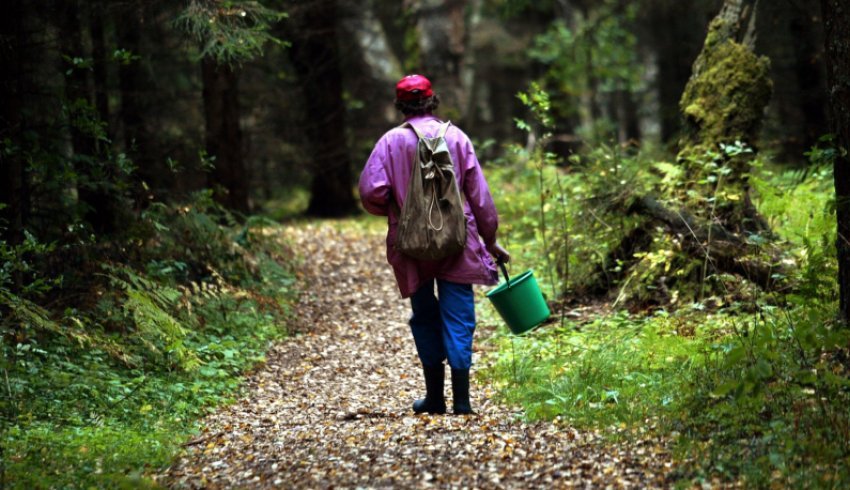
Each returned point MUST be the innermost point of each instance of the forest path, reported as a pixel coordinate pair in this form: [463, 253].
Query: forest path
[331, 406]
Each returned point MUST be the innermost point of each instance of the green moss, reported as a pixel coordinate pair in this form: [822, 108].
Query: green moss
[714, 33]
[725, 101]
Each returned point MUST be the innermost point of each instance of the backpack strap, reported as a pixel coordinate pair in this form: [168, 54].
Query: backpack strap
[441, 133]
[408, 125]
[444, 128]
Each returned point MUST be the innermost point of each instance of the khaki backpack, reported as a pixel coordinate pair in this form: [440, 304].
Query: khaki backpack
[432, 224]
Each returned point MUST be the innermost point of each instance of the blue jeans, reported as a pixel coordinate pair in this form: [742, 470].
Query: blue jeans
[443, 328]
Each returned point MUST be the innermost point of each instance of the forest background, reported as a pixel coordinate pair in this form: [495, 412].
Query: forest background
[679, 166]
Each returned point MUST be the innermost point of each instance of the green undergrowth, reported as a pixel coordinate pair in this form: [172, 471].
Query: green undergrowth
[102, 393]
[613, 371]
[760, 398]
[749, 387]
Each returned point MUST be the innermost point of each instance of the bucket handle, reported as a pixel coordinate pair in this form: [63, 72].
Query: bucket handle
[501, 265]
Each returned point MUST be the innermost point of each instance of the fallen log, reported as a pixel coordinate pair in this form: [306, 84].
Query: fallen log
[619, 260]
[725, 251]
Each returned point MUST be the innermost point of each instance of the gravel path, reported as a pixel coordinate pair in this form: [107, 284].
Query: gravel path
[331, 407]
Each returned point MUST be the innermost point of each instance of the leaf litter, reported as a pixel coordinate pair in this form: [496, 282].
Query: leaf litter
[330, 408]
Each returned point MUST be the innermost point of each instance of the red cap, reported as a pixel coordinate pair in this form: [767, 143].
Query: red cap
[413, 87]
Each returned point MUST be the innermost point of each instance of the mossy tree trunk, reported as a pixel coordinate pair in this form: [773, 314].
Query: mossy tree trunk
[729, 88]
[837, 16]
[724, 104]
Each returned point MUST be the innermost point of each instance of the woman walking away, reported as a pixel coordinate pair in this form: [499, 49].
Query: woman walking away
[442, 324]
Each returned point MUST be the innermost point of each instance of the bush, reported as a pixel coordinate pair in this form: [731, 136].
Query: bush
[750, 386]
[101, 392]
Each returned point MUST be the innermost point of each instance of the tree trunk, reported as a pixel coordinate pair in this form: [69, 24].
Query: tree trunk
[368, 62]
[395, 22]
[837, 24]
[132, 80]
[724, 103]
[315, 55]
[441, 25]
[99, 59]
[495, 71]
[14, 56]
[627, 117]
[676, 45]
[591, 93]
[364, 39]
[791, 34]
[224, 135]
[726, 250]
[619, 260]
[99, 209]
[77, 83]
[729, 88]
[701, 239]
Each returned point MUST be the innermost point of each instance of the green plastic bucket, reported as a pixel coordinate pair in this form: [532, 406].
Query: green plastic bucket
[519, 302]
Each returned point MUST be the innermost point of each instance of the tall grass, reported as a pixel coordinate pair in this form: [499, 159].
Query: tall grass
[613, 370]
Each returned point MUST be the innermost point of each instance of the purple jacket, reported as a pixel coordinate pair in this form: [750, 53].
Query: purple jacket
[386, 175]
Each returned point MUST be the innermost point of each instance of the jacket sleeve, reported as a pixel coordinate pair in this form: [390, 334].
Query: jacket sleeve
[374, 183]
[478, 196]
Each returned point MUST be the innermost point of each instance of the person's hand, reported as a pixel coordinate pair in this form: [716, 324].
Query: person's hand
[499, 253]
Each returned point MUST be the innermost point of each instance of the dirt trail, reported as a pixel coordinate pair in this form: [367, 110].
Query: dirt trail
[331, 407]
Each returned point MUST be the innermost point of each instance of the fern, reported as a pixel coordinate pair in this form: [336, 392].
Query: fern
[148, 304]
[26, 313]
